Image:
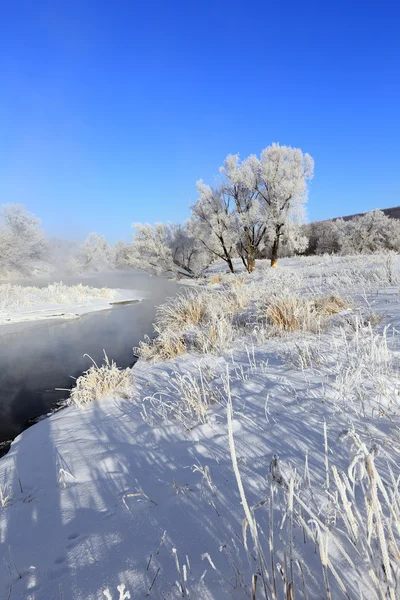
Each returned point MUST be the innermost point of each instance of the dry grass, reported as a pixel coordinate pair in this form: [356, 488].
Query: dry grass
[235, 300]
[166, 346]
[235, 281]
[16, 296]
[293, 313]
[331, 305]
[183, 311]
[199, 321]
[215, 279]
[106, 381]
[216, 337]
[186, 398]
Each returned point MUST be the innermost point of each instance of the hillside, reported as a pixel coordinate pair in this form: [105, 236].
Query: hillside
[393, 212]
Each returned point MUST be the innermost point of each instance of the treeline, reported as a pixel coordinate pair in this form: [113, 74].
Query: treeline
[25, 250]
[372, 232]
[255, 211]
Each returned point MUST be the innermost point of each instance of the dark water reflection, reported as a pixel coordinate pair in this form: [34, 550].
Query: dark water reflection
[37, 358]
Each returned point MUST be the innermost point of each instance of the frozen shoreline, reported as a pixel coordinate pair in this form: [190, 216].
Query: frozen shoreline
[65, 311]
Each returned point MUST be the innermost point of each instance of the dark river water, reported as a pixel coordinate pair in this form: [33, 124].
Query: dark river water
[36, 358]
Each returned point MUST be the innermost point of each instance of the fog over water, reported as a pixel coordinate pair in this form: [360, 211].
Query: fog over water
[36, 358]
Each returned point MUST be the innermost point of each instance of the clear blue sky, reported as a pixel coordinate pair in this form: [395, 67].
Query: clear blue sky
[110, 111]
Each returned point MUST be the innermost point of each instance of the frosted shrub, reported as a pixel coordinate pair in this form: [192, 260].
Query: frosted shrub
[193, 308]
[235, 300]
[277, 283]
[390, 263]
[166, 346]
[212, 338]
[216, 337]
[183, 311]
[215, 279]
[106, 381]
[331, 305]
[292, 313]
[199, 321]
[231, 280]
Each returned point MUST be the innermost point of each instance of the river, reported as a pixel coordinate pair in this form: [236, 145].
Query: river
[36, 358]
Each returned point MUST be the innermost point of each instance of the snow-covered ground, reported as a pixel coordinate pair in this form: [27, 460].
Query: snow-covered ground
[27, 303]
[285, 487]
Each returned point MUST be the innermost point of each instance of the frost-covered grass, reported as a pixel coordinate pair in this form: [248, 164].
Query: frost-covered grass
[295, 313]
[17, 296]
[265, 468]
[99, 382]
[211, 320]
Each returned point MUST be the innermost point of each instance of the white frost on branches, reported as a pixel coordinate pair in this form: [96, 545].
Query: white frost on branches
[369, 233]
[251, 218]
[282, 176]
[213, 222]
[22, 241]
[258, 206]
[95, 254]
[372, 232]
[166, 248]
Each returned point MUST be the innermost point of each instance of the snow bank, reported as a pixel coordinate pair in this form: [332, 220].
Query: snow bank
[25, 303]
[126, 492]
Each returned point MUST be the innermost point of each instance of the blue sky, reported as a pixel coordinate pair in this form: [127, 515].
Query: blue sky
[110, 111]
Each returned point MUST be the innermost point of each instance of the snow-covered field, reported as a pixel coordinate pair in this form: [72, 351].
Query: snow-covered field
[27, 303]
[262, 461]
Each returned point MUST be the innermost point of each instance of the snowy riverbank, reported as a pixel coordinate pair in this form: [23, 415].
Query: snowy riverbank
[57, 301]
[142, 491]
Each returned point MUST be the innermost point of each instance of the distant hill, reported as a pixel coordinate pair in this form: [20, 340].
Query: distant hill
[394, 213]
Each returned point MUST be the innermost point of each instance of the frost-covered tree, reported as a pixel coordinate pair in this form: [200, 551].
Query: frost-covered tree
[281, 178]
[95, 254]
[295, 241]
[121, 253]
[372, 232]
[367, 233]
[250, 215]
[327, 237]
[187, 251]
[166, 248]
[22, 241]
[258, 198]
[213, 222]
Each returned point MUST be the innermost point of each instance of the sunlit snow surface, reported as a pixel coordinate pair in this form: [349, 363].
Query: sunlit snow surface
[98, 498]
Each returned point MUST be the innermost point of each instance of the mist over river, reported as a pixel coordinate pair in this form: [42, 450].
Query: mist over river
[37, 357]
